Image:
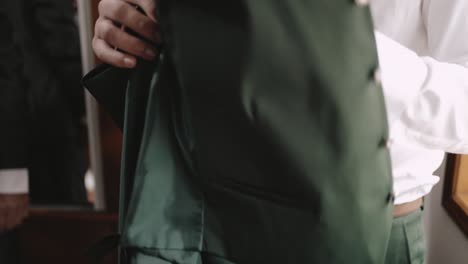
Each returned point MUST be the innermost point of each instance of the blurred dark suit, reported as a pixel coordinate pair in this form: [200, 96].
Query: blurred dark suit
[52, 73]
[42, 99]
[14, 116]
[41, 103]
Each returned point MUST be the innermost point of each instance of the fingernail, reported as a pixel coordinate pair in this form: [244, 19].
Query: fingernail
[129, 62]
[150, 53]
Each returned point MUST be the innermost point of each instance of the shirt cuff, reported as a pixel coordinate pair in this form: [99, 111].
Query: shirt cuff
[14, 181]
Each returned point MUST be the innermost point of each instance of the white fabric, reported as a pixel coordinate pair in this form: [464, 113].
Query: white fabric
[14, 181]
[423, 53]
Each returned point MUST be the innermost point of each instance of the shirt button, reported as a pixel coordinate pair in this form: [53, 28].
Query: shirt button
[377, 76]
[362, 2]
[386, 142]
[389, 143]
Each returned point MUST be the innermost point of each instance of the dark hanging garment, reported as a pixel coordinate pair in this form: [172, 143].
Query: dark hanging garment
[255, 138]
[41, 100]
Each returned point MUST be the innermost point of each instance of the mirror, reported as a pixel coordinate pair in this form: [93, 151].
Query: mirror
[455, 197]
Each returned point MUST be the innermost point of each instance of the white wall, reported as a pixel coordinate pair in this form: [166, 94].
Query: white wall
[446, 244]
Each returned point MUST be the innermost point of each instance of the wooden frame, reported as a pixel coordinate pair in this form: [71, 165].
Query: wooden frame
[455, 196]
[111, 140]
[60, 236]
[105, 137]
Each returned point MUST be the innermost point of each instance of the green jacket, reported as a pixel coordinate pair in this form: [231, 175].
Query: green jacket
[258, 137]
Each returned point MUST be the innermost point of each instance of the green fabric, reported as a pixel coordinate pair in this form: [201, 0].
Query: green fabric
[257, 137]
[104, 81]
[406, 244]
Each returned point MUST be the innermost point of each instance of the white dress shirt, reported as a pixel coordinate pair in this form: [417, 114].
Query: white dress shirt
[423, 53]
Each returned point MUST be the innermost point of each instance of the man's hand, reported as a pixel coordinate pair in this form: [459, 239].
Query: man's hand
[13, 210]
[113, 45]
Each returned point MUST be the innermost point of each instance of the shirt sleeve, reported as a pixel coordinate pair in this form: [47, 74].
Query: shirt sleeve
[429, 95]
[14, 181]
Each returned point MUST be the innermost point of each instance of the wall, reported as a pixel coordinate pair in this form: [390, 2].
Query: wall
[446, 243]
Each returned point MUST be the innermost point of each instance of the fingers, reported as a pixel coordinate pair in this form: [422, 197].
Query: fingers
[117, 38]
[111, 56]
[148, 6]
[123, 13]
[109, 37]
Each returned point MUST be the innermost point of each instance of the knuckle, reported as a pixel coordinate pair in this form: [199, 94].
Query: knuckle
[97, 26]
[103, 4]
[108, 32]
[121, 10]
[103, 26]
[99, 55]
[95, 47]
[97, 50]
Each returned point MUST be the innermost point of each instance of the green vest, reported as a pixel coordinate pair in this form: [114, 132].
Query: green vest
[258, 137]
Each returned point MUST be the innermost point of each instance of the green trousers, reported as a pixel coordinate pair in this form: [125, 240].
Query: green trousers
[406, 244]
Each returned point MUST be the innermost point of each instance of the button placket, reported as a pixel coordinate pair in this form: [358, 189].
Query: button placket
[362, 2]
[377, 76]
